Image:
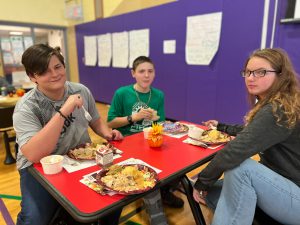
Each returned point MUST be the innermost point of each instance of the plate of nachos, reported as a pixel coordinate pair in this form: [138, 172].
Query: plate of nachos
[128, 179]
[214, 137]
[87, 151]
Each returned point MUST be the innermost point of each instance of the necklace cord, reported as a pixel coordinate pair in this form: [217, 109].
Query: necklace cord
[137, 95]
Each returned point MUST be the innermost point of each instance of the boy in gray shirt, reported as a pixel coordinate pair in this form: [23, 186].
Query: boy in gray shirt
[50, 120]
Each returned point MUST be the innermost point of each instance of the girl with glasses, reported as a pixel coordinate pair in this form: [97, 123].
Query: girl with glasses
[272, 130]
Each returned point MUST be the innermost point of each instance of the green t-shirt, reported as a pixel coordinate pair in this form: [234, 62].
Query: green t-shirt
[125, 102]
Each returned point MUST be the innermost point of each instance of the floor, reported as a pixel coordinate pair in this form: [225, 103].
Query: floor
[10, 196]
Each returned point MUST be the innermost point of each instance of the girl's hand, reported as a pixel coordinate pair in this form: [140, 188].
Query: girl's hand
[211, 124]
[199, 196]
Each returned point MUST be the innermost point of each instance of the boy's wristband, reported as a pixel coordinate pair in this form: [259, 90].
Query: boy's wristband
[62, 115]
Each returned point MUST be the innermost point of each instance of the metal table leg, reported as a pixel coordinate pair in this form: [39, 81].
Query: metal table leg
[196, 210]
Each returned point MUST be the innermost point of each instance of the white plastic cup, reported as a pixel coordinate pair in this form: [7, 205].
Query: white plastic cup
[52, 164]
[146, 132]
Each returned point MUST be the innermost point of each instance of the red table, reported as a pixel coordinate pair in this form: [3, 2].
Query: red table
[174, 158]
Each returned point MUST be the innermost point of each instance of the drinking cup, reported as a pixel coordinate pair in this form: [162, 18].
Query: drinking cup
[146, 131]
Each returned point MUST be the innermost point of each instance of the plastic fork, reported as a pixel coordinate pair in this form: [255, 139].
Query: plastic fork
[86, 114]
[71, 162]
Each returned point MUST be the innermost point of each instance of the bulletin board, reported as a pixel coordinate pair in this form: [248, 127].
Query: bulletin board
[192, 92]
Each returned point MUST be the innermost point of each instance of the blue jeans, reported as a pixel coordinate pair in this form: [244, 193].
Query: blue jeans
[37, 205]
[252, 184]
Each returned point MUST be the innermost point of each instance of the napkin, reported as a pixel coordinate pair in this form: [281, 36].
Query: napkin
[199, 143]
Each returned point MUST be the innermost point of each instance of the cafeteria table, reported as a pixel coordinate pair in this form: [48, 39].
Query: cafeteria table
[174, 158]
[7, 101]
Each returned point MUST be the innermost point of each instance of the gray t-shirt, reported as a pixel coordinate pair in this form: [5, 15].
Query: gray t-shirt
[34, 110]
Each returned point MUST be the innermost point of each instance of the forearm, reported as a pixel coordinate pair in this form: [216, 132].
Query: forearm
[118, 122]
[262, 133]
[123, 121]
[101, 128]
[44, 142]
[232, 130]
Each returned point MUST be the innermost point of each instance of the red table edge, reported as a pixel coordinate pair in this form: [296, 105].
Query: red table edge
[90, 217]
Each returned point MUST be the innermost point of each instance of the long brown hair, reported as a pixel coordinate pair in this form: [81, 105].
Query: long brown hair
[284, 94]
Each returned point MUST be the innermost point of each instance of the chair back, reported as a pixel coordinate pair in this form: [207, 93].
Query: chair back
[6, 114]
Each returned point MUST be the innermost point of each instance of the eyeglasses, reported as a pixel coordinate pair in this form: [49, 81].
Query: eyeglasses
[256, 73]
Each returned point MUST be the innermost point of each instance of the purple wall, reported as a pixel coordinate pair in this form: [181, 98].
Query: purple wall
[194, 93]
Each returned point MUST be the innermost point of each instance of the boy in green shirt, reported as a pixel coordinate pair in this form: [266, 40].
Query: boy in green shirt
[136, 106]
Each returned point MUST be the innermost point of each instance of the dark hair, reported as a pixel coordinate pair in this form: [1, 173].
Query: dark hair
[139, 60]
[36, 58]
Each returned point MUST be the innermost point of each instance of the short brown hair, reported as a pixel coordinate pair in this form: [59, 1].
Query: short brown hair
[139, 60]
[36, 58]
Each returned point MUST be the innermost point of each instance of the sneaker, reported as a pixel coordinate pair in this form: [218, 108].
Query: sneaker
[172, 200]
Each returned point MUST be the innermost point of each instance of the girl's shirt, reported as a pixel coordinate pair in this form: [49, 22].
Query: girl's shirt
[277, 145]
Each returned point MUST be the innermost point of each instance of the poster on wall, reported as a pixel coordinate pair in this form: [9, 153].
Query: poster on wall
[202, 38]
[90, 50]
[169, 47]
[138, 44]
[5, 45]
[120, 49]
[104, 50]
[28, 42]
[17, 48]
[8, 58]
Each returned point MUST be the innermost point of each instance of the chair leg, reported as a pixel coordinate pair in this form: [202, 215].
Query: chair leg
[196, 210]
[9, 159]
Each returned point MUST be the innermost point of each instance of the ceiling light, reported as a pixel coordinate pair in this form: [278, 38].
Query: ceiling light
[16, 33]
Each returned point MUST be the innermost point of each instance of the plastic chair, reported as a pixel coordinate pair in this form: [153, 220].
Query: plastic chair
[6, 125]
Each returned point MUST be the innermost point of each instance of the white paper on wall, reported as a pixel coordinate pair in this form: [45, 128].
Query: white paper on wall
[17, 48]
[90, 50]
[104, 49]
[27, 42]
[19, 77]
[138, 44]
[5, 44]
[8, 58]
[203, 37]
[297, 10]
[120, 49]
[169, 46]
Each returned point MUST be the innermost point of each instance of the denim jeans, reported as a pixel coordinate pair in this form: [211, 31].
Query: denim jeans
[37, 205]
[252, 184]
